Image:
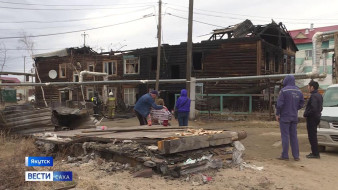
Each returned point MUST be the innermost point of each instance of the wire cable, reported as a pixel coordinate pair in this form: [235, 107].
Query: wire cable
[62, 9]
[74, 31]
[71, 5]
[75, 20]
[194, 20]
[251, 16]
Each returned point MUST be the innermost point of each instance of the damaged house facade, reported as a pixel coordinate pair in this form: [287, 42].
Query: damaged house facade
[241, 50]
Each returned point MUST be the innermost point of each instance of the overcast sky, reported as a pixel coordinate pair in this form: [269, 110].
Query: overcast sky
[130, 24]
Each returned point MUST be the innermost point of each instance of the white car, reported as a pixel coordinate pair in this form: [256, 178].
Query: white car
[327, 132]
[31, 98]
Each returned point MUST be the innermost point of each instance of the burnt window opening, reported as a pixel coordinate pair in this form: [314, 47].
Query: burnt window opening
[283, 41]
[271, 36]
[285, 63]
[197, 60]
[153, 63]
[175, 71]
[63, 70]
[276, 64]
[91, 68]
[267, 61]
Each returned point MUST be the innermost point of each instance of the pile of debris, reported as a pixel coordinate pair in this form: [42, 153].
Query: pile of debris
[169, 151]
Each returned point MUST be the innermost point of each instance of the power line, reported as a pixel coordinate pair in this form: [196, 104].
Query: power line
[72, 5]
[74, 31]
[60, 9]
[75, 20]
[251, 16]
[237, 18]
[195, 20]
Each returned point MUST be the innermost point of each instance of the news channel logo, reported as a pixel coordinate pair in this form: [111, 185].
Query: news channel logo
[39, 161]
[45, 175]
[48, 176]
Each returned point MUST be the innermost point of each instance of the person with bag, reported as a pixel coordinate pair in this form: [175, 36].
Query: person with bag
[182, 108]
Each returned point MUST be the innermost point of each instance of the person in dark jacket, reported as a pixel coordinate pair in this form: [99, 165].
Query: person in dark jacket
[96, 103]
[312, 113]
[183, 108]
[143, 105]
[289, 101]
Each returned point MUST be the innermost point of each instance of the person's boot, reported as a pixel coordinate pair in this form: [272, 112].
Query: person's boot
[312, 156]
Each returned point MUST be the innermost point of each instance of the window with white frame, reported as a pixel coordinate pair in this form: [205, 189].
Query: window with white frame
[131, 65]
[109, 67]
[91, 67]
[308, 53]
[130, 96]
[90, 93]
[62, 70]
[75, 77]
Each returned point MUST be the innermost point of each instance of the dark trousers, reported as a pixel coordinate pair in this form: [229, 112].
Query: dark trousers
[142, 120]
[311, 125]
[289, 136]
[183, 118]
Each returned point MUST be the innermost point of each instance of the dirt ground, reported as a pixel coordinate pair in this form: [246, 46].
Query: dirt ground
[262, 145]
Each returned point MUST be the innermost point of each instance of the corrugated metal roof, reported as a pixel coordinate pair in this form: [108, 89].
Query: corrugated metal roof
[308, 37]
[9, 80]
[59, 53]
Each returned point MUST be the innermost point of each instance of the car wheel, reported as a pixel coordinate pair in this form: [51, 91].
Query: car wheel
[321, 148]
[32, 101]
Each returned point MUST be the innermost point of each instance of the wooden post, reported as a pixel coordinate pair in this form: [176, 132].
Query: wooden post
[336, 57]
[259, 57]
[189, 46]
[159, 29]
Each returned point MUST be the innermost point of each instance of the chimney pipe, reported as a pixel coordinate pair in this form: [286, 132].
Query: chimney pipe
[311, 27]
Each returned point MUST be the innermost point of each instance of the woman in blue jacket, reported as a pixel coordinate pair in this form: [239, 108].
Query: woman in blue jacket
[183, 108]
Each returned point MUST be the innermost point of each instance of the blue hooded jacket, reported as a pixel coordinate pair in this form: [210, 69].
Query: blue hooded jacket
[289, 101]
[183, 102]
[144, 104]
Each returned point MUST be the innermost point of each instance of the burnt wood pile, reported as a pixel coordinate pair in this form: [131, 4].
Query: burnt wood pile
[173, 151]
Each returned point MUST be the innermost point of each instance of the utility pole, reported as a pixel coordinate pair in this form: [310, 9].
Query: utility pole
[189, 46]
[84, 38]
[24, 64]
[24, 77]
[336, 57]
[159, 32]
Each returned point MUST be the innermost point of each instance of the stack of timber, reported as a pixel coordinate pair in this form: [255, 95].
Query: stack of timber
[26, 119]
[173, 151]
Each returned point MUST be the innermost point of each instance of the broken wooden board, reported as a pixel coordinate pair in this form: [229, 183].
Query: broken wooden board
[194, 142]
[134, 128]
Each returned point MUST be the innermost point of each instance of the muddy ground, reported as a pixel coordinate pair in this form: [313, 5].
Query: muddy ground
[262, 145]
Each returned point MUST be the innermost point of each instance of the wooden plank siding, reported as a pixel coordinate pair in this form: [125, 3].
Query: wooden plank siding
[260, 54]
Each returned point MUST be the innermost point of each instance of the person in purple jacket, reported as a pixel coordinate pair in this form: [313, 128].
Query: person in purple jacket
[289, 101]
[183, 108]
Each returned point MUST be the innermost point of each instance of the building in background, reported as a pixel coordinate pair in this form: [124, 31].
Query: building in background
[303, 40]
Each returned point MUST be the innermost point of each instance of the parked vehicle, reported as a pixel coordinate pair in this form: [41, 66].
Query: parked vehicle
[328, 127]
[31, 98]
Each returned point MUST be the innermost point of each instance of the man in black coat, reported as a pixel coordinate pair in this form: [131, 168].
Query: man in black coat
[312, 113]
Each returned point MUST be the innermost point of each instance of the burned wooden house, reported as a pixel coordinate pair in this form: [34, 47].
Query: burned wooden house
[241, 50]
[65, 66]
